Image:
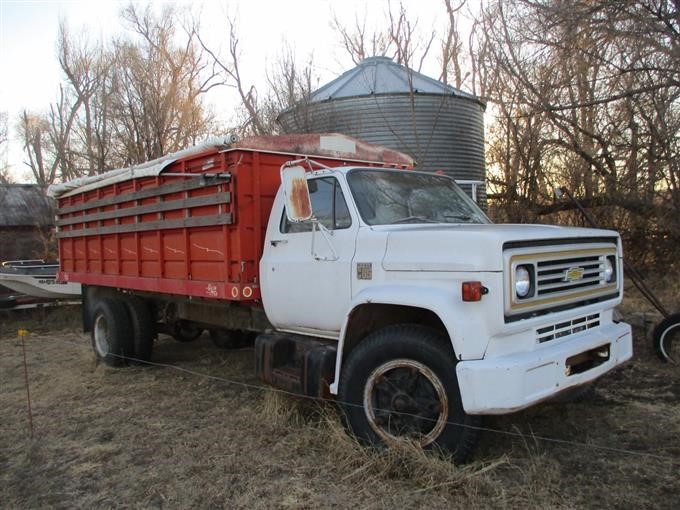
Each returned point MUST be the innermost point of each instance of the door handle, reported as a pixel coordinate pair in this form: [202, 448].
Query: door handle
[276, 242]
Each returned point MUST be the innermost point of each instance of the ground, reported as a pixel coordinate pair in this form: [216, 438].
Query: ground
[181, 436]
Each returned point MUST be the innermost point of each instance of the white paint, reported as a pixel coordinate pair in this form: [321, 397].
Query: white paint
[40, 286]
[510, 383]
[502, 368]
[300, 291]
[338, 144]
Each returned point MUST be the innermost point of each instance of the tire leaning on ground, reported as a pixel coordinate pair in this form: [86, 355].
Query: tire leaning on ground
[400, 383]
[666, 338]
[143, 328]
[111, 338]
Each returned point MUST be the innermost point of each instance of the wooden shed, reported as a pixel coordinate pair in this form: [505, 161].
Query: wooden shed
[26, 222]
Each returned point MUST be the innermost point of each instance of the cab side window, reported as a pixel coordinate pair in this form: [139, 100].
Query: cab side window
[328, 204]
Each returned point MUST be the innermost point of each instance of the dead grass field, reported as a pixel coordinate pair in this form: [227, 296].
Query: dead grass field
[158, 437]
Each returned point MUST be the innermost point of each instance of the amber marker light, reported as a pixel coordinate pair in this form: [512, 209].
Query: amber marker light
[473, 291]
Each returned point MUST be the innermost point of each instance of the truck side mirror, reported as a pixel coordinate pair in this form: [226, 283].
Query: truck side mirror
[296, 194]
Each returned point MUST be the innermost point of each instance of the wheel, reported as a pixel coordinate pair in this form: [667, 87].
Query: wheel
[400, 383]
[225, 338]
[111, 338]
[143, 328]
[185, 331]
[665, 334]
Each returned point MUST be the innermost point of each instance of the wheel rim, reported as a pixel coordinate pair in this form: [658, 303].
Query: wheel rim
[669, 336]
[404, 399]
[101, 336]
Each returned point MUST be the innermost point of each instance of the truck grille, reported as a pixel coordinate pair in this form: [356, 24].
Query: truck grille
[551, 275]
[560, 278]
[566, 328]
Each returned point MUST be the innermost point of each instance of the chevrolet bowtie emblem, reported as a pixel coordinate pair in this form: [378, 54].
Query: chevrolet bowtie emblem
[573, 274]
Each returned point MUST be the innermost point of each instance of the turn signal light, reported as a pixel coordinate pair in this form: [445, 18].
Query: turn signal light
[473, 291]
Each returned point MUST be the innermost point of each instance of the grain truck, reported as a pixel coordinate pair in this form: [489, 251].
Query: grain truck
[363, 280]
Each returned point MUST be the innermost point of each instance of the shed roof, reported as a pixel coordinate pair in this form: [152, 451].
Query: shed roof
[25, 205]
[381, 75]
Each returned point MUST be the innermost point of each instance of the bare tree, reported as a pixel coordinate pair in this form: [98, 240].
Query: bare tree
[122, 103]
[35, 132]
[452, 46]
[599, 80]
[5, 178]
[287, 84]
[358, 44]
[86, 67]
[401, 39]
[159, 86]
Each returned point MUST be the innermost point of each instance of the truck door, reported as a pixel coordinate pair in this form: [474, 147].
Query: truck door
[302, 291]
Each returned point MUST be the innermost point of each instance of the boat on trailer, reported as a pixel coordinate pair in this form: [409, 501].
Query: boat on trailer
[36, 278]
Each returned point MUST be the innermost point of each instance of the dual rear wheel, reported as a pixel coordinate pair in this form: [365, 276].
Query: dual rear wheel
[122, 330]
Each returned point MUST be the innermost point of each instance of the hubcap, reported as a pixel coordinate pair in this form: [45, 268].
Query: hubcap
[404, 399]
[101, 336]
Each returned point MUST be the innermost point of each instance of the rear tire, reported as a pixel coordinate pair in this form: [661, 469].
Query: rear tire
[666, 338]
[111, 332]
[143, 328]
[400, 384]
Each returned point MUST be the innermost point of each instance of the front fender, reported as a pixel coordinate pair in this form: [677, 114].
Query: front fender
[443, 302]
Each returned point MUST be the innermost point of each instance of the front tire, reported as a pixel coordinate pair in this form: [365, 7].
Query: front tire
[400, 384]
[111, 338]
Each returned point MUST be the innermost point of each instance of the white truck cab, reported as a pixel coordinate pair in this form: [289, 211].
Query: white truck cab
[435, 315]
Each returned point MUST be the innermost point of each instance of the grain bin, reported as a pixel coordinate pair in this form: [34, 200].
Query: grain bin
[385, 103]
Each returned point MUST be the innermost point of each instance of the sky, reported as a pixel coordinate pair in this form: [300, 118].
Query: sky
[28, 36]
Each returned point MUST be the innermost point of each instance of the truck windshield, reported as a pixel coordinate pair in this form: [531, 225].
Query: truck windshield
[386, 197]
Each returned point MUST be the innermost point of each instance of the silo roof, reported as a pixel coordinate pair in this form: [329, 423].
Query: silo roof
[381, 75]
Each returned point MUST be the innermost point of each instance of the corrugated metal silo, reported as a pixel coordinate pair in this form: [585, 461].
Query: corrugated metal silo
[387, 104]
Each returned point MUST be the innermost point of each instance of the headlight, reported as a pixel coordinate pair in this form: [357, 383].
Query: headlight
[522, 281]
[609, 270]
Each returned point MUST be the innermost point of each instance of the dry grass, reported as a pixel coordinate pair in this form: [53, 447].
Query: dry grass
[155, 437]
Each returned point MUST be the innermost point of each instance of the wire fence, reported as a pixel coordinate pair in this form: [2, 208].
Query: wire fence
[262, 388]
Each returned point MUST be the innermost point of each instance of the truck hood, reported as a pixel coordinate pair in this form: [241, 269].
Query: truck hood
[467, 247]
